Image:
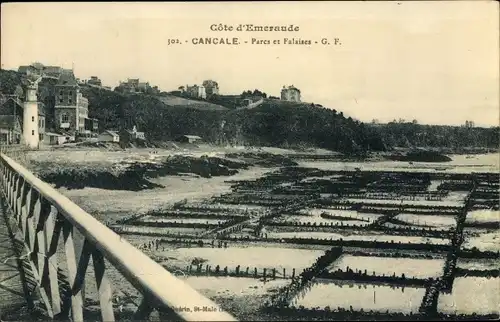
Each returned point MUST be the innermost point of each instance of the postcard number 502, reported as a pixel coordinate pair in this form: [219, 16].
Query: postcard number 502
[173, 41]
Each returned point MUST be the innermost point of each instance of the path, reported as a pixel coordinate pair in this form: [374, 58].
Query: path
[12, 296]
[254, 104]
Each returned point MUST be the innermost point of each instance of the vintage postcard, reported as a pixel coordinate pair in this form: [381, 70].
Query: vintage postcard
[223, 161]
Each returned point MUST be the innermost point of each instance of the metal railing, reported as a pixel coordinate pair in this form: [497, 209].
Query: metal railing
[42, 216]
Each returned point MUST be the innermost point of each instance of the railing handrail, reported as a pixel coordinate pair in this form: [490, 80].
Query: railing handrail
[150, 278]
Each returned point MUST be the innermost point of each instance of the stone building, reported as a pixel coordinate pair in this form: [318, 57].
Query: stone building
[41, 121]
[197, 91]
[211, 87]
[42, 70]
[290, 93]
[92, 125]
[94, 80]
[71, 108]
[469, 124]
[10, 129]
[133, 85]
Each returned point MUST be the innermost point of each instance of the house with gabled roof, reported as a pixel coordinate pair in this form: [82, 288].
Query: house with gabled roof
[109, 136]
[186, 138]
[71, 108]
[11, 111]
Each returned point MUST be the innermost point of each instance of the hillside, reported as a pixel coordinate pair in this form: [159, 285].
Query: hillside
[276, 123]
[177, 98]
[175, 101]
[451, 138]
[273, 123]
[10, 81]
[289, 124]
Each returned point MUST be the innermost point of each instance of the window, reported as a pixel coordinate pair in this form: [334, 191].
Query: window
[60, 100]
[64, 118]
[32, 132]
[32, 119]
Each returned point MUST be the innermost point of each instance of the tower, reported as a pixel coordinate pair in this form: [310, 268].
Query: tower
[30, 117]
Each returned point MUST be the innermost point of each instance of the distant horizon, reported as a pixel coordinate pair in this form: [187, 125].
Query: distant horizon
[436, 62]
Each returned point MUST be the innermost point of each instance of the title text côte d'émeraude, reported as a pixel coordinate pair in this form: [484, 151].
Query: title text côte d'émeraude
[257, 39]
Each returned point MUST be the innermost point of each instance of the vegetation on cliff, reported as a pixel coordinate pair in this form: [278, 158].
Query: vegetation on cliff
[10, 82]
[456, 138]
[273, 123]
[421, 156]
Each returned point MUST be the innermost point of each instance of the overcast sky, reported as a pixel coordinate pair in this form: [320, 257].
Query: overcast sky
[436, 62]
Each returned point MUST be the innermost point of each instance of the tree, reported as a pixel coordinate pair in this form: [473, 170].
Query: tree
[19, 91]
[257, 92]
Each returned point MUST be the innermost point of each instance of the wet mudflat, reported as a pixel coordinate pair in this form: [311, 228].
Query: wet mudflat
[485, 296]
[391, 224]
[410, 267]
[361, 297]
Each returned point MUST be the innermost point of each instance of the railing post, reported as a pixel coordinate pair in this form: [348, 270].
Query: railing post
[14, 188]
[21, 200]
[53, 227]
[4, 176]
[41, 235]
[15, 196]
[144, 310]
[73, 272]
[103, 286]
[29, 228]
[10, 187]
[8, 177]
[27, 202]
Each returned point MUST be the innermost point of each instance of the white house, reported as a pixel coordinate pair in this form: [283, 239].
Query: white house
[54, 138]
[188, 138]
[197, 91]
[109, 136]
[291, 94]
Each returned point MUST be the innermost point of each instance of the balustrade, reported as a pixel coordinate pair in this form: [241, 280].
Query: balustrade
[43, 216]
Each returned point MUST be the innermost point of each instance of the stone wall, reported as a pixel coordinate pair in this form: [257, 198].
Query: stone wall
[71, 112]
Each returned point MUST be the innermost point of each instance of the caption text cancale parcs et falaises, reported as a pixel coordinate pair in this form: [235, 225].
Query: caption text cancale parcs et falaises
[289, 40]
